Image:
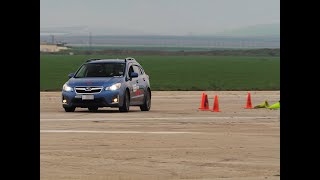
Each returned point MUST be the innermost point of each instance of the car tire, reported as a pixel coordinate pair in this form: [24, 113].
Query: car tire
[93, 109]
[126, 103]
[147, 102]
[69, 109]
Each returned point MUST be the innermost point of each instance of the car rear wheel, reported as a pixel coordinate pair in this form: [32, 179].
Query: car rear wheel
[147, 102]
[126, 103]
[93, 109]
[69, 109]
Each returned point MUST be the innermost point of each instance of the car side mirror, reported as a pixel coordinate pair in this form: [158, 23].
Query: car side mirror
[71, 75]
[133, 75]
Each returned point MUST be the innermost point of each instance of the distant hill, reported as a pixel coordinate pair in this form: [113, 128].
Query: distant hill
[84, 30]
[257, 30]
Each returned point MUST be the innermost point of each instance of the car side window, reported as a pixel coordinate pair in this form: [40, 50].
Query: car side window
[141, 70]
[136, 69]
[130, 70]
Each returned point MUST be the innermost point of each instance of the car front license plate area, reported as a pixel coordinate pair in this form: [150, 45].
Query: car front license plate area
[87, 97]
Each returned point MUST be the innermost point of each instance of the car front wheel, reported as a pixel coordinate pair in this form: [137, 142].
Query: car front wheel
[147, 102]
[126, 103]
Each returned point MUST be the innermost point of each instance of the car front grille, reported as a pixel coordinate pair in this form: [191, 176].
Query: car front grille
[88, 89]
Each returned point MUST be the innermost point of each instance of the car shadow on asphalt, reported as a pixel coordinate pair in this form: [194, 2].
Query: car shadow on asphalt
[106, 111]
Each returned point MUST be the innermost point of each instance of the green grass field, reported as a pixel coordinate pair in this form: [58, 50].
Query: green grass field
[179, 72]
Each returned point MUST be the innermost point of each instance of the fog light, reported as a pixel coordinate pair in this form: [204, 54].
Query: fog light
[115, 100]
[64, 101]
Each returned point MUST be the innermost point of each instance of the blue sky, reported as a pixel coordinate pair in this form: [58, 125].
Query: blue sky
[164, 17]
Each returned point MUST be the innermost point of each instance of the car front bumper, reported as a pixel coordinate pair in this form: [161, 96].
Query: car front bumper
[102, 99]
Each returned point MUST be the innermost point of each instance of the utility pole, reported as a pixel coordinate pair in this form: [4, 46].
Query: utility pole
[90, 41]
[52, 39]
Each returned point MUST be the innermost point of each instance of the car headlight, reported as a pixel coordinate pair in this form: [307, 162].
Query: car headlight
[67, 88]
[113, 87]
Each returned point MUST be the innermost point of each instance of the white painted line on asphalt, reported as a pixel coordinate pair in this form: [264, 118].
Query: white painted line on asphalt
[117, 132]
[157, 118]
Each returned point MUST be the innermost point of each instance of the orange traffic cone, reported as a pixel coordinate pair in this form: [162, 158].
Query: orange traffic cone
[216, 105]
[202, 101]
[204, 106]
[249, 104]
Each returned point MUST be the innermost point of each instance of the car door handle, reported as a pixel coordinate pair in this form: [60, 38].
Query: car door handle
[144, 79]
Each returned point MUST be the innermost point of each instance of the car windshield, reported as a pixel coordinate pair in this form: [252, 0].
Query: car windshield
[101, 70]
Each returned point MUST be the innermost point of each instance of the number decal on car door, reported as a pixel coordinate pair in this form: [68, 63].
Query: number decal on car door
[135, 87]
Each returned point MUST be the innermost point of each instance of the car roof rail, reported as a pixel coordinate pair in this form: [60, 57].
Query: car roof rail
[93, 59]
[129, 59]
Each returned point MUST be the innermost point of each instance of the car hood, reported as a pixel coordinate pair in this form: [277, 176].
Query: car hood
[106, 81]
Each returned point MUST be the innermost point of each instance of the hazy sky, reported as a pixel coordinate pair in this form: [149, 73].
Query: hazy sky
[166, 17]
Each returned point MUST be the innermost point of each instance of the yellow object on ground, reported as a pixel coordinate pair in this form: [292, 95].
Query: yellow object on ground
[275, 106]
[265, 104]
